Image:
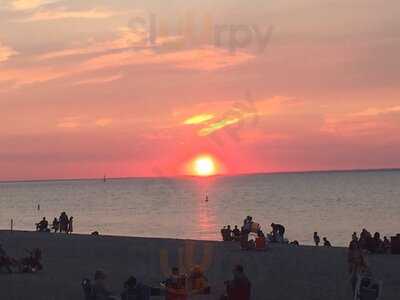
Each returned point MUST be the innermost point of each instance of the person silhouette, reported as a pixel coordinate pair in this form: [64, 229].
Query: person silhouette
[316, 239]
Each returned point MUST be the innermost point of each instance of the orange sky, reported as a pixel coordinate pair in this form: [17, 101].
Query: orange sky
[139, 88]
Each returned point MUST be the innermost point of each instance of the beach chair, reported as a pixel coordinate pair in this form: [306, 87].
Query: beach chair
[367, 288]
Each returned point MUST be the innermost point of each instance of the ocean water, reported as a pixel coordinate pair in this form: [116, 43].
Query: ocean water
[333, 203]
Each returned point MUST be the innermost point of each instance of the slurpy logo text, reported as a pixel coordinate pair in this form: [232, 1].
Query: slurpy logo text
[191, 30]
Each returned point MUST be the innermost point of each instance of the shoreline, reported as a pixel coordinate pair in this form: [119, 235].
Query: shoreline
[283, 272]
[185, 177]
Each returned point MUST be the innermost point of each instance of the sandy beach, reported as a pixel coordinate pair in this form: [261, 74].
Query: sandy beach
[283, 272]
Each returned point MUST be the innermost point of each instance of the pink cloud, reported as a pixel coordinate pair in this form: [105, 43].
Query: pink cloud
[203, 59]
[29, 4]
[6, 52]
[99, 80]
[62, 14]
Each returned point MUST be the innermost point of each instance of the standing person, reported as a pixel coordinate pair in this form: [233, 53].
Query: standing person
[357, 262]
[223, 233]
[244, 240]
[247, 224]
[239, 288]
[377, 243]
[316, 239]
[229, 233]
[70, 225]
[63, 222]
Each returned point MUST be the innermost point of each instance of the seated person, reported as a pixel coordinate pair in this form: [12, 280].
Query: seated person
[326, 242]
[386, 245]
[239, 288]
[261, 243]
[175, 286]
[99, 289]
[43, 225]
[135, 291]
[278, 232]
[251, 245]
[236, 233]
[56, 225]
[197, 282]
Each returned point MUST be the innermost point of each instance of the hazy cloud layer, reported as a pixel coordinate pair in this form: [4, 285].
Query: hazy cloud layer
[263, 85]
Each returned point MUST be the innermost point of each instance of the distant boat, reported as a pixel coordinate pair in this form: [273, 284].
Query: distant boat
[104, 178]
[206, 197]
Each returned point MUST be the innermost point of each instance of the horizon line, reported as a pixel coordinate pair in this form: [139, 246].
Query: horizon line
[205, 177]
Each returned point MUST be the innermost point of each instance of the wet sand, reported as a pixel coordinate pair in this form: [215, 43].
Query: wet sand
[283, 272]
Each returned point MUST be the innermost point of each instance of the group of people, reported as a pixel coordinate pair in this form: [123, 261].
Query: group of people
[373, 244]
[317, 240]
[28, 264]
[177, 286]
[231, 235]
[251, 237]
[180, 286]
[366, 241]
[62, 224]
[98, 290]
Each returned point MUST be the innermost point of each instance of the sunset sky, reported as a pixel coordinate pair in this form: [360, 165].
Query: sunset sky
[141, 88]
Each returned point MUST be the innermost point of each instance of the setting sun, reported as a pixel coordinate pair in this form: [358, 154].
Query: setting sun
[204, 166]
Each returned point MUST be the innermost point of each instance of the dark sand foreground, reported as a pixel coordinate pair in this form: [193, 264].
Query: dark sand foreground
[284, 272]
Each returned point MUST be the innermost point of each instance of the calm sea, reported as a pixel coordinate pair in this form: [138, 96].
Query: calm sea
[333, 203]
